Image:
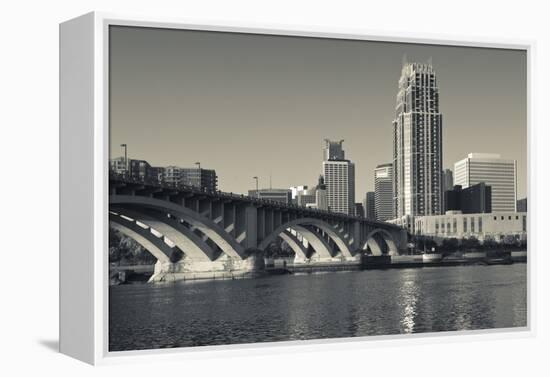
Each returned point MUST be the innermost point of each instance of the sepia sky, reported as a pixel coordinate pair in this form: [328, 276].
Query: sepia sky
[255, 105]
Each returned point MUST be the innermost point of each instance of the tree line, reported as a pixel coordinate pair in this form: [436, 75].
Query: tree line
[450, 245]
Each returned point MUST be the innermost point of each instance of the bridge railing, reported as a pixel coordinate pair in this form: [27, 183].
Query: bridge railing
[155, 182]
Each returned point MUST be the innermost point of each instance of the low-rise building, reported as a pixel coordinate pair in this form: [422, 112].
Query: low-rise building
[276, 195]
[118, 165]
[139, 169]
[455, 224]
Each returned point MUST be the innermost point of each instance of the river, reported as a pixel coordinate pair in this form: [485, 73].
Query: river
[324, 305]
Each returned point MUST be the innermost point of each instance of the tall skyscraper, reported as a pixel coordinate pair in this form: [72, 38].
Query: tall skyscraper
[383, 192]
[447, 179]
[417, 143]
[333, 150]
[339, 175]
[369, 205]
[447, 185]
[496, 172]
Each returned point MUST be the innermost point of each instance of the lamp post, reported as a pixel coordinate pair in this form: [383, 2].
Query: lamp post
[257, 193]
[125, 158]
[199, 180]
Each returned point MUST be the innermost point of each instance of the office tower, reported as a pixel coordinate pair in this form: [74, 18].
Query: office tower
[359, 210]
[417, 143]
[447, 185]
[333, 150]
[302, 195]
[447, 179]
[296, 189]
[476, 199]
[305, 197]
[321, 201]
[522, 205]
[383, 192]
[473, 199]
[339, 175]
[369, 205]
[494, 171]
[283, 196]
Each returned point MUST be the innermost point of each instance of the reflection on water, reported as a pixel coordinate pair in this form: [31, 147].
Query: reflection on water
[408, 295]
[332, 305]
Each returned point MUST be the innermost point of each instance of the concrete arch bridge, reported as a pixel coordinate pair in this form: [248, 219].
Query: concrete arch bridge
[198, 234]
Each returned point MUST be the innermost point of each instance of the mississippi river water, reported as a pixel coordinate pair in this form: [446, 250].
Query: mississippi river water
[328, 305]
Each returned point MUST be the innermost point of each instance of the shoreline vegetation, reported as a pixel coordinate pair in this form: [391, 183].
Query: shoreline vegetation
[450, 246]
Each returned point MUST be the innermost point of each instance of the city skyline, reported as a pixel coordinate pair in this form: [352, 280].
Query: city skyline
[177, 126]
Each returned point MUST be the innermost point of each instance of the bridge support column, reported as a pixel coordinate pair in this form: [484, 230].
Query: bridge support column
[224, 267]
[251, 227]
[356, 234]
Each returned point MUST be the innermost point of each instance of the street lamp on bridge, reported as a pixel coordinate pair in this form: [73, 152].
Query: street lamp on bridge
[125, 157]
[257, 193]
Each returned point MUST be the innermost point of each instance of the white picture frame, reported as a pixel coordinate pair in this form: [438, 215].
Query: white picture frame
[84, 180]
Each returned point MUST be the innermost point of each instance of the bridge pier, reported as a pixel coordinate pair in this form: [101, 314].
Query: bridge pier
[224, 267]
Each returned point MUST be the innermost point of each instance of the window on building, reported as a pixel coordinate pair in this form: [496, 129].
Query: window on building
[472, 225]
[495, 217]
[509, 217]
[480, 224]
[525, 223]
[465, 227]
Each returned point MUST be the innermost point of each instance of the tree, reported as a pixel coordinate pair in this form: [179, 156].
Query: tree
[449, 245]
[424, 243]
[125, 250]
[509, 241]
[489, 242]
[471, 243]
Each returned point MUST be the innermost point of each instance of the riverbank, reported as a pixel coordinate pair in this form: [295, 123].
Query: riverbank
[141, 273]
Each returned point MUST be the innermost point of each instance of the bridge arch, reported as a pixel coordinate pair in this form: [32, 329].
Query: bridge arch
[373, 243]
[300, 223]
[153, 244]
[208, 227]
[295, 244]
[188, 242]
